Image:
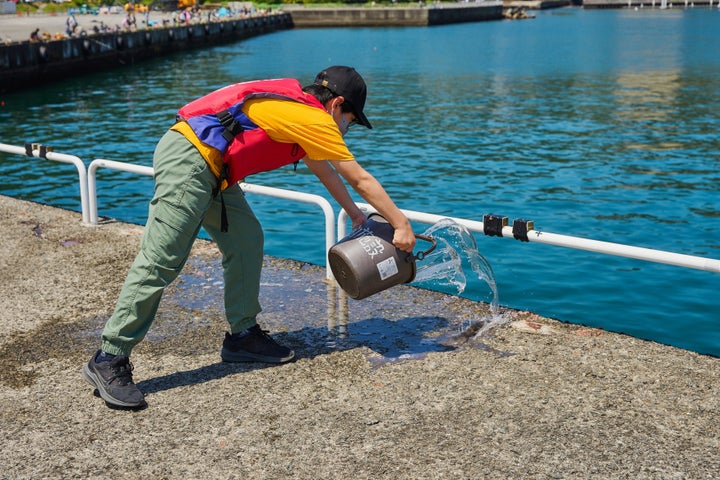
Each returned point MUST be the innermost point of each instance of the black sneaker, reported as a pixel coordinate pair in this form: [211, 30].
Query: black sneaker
[254, 345]
[114, 381]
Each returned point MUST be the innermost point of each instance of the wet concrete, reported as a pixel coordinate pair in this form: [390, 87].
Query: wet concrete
[382, 388]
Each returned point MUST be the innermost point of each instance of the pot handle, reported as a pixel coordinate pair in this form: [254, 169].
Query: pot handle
[421, 255]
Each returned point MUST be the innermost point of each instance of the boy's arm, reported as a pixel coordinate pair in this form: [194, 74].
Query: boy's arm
[334, 184]
[373, 192]
[368, 188]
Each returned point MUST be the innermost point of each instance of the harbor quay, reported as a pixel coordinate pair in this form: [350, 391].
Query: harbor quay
[54, 56]
[31, 63]
[369, 396]
[661, 4]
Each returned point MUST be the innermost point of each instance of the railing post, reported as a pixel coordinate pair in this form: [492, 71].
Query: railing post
[92, 180]
[39, 150]
[307, 198]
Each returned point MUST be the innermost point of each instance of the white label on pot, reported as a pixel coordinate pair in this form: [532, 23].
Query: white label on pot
[372, 246]
[387, 268]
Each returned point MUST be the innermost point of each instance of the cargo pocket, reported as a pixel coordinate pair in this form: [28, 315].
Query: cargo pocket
[194, 192]
[168, 238]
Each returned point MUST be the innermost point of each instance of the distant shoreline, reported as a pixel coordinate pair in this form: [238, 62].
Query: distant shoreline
[28, 64]
[25, 64]
[92, 47]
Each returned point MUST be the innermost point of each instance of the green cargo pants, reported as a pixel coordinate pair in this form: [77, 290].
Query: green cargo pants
[182, 203]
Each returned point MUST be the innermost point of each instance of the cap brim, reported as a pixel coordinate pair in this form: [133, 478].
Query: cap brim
[362, 119]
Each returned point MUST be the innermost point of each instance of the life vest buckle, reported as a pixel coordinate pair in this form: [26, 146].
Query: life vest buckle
[232, 126]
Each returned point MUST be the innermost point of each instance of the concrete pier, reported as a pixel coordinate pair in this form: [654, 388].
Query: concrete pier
[596, 4]
[537, 4]
[532, 399]
[387, 17]
[28, 64]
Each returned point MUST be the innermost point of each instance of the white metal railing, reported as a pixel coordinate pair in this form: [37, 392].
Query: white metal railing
[112, 164]
[639, 253]
[301, 197]
[246, 187]
[39, 150]
[88, 201]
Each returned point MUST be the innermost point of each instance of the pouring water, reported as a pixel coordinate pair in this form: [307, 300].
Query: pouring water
[444, 268]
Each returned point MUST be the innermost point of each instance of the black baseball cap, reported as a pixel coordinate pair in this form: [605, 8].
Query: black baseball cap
[346, 82]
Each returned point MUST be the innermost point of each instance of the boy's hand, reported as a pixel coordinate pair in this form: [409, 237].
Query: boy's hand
[358, 220]
[404, 239]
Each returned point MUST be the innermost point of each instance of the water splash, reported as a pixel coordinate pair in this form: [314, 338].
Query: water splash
[444, 267]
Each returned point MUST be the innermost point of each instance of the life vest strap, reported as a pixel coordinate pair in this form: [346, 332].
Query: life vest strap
[223, 215]
[218, 191]
[232, 126]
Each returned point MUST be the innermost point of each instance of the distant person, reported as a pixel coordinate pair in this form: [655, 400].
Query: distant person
[70, 24]
[217, 141]
[35, 35]
[103, 28]
[186, 16]
[129, 22]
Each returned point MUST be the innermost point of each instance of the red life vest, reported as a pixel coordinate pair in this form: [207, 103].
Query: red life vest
[219, 122]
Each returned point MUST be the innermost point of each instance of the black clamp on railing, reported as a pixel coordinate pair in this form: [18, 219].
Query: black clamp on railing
[493, 224]
[42, 149]
[521, 228]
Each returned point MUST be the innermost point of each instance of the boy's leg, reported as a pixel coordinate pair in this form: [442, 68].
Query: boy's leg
[183, 193]
[242, 250]
[242, 256]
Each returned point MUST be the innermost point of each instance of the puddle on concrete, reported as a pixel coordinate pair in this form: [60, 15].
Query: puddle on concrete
[300, 308]
[399, 324]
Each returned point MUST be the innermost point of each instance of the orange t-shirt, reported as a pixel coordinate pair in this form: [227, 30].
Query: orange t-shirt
[283, 121]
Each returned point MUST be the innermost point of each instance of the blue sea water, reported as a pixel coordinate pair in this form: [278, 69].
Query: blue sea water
[597, 124]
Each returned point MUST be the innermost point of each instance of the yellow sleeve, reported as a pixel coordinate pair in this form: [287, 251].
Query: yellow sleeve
[287, 121]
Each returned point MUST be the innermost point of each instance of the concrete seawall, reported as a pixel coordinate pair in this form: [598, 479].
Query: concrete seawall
[29, 64]
[593, 4]
[386, 17]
